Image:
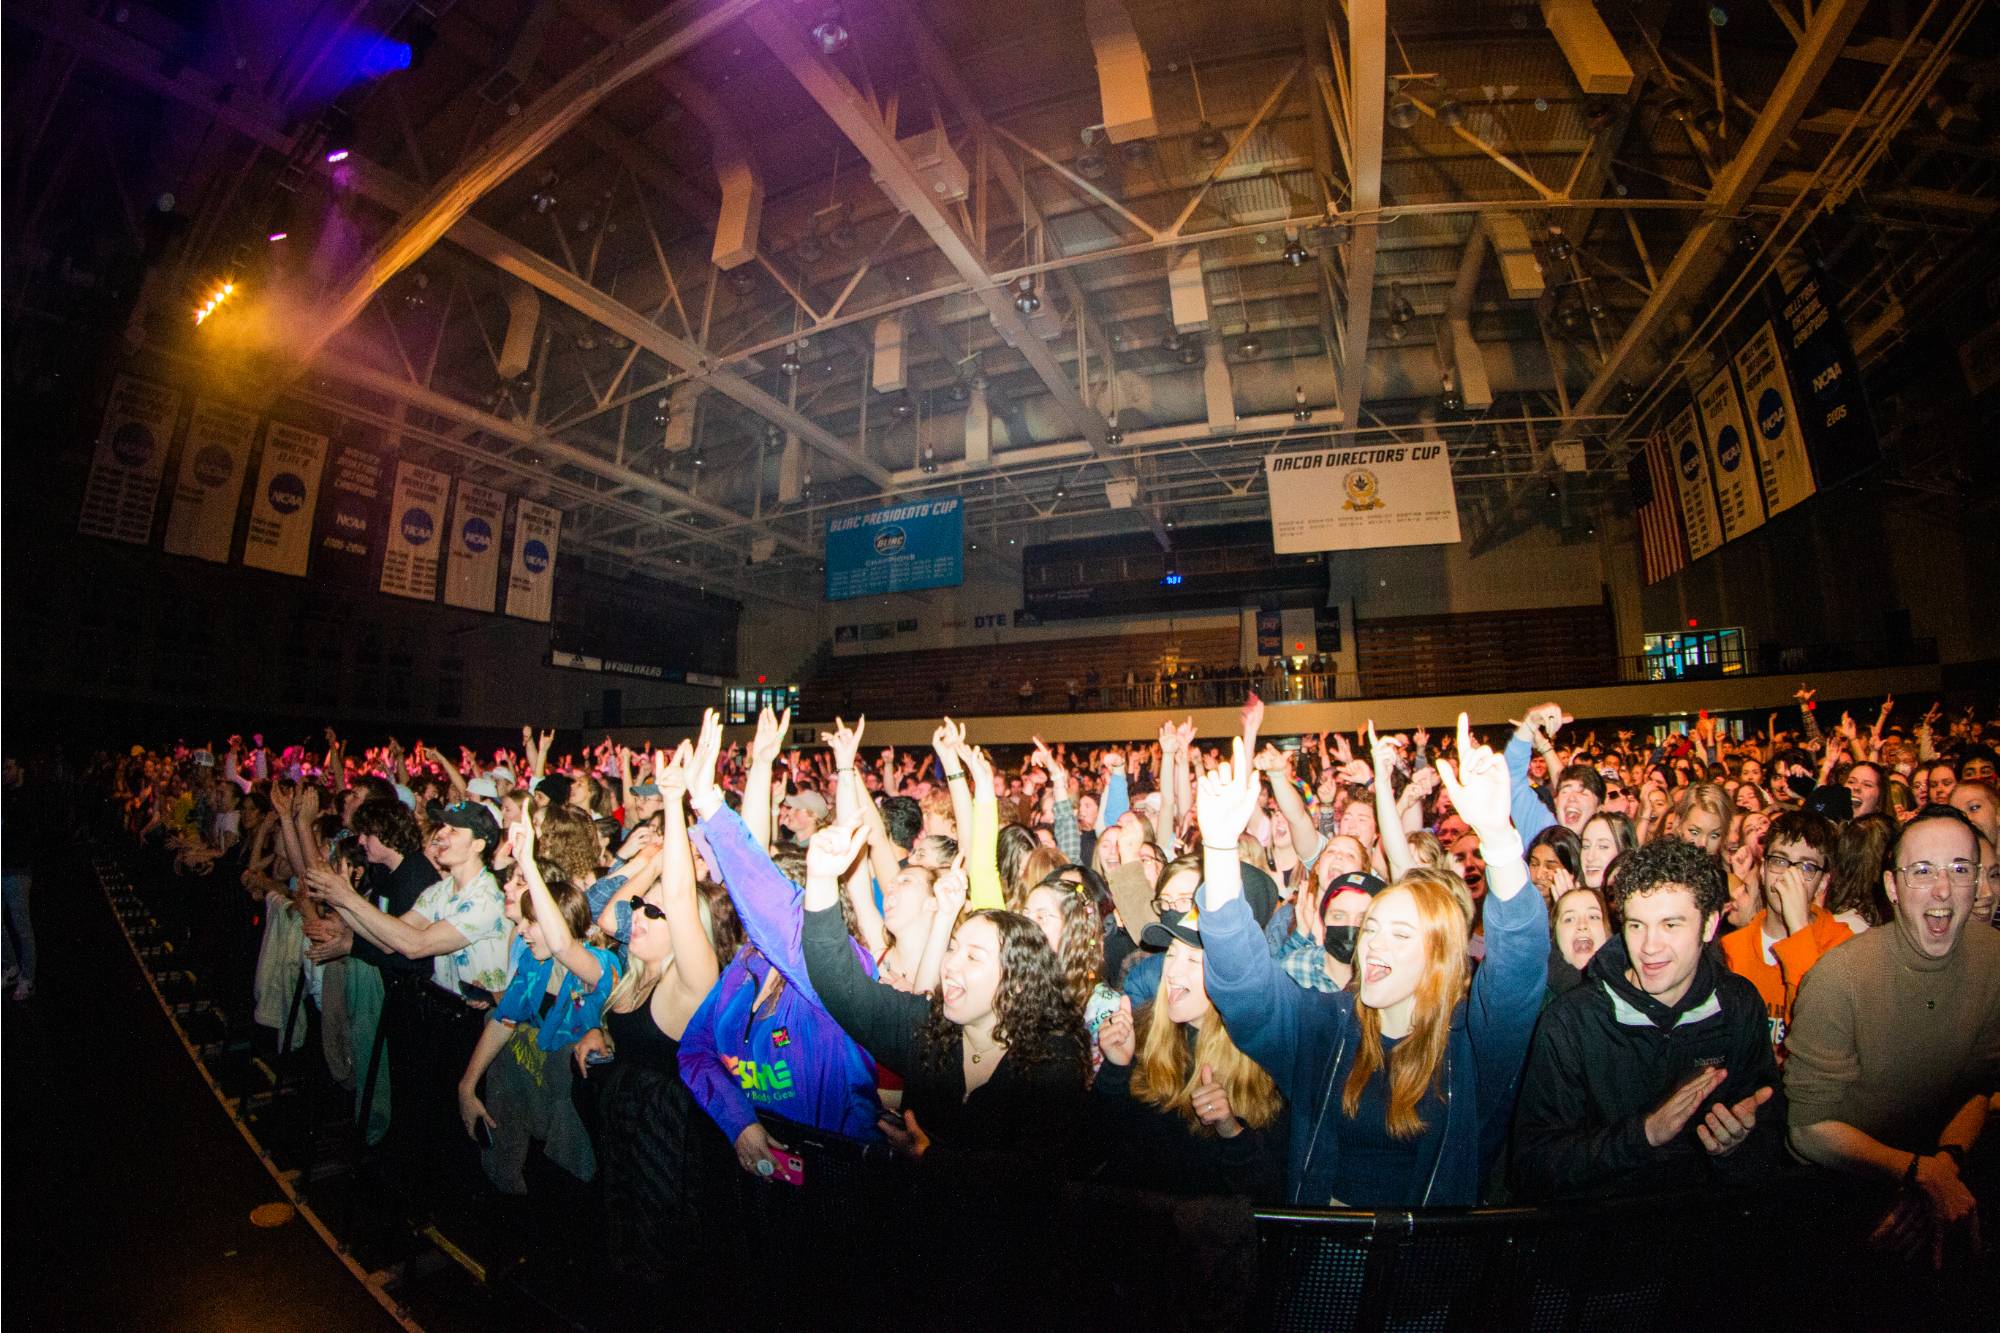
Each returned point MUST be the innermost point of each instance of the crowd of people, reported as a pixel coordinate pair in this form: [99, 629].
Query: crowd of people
[702, 1000]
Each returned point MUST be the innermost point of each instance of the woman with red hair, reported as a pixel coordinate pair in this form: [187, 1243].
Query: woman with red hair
[1400, 1086]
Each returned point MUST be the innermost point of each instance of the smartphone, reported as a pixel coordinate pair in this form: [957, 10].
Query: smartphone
[482, 1134]
[791, 1168]
[479, 995]
[595, 1058]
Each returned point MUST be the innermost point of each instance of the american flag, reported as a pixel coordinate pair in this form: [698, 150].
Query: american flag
[1661, 536]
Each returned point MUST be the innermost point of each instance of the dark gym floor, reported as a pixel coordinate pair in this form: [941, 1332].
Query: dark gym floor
[127, 1190]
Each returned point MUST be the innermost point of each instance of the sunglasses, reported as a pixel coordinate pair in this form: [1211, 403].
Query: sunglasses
[649, 910]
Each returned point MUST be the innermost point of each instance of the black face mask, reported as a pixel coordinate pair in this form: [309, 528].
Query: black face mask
[1340, 942]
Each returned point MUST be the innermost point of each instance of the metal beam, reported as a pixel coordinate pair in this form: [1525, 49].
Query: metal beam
[547, 276]
[1367, 44]
[1702, 253]
[659, 39]
[855, 116]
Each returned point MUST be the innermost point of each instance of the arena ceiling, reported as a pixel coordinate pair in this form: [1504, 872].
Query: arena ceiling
[706, 222]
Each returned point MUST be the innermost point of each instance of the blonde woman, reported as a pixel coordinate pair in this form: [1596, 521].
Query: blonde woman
[1401, 1087]
[1178, 1107]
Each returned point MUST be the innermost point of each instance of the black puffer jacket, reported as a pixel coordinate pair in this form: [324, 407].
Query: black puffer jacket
[1606, 1054]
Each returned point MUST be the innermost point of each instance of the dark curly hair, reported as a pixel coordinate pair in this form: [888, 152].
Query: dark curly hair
[1671, 863]
[390, 823]
[1038, 1022]
[1082, 951]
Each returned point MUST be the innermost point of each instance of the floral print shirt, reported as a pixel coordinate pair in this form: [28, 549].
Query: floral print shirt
[479, 912]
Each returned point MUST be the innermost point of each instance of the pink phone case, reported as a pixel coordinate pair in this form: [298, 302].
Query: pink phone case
[791, 1170]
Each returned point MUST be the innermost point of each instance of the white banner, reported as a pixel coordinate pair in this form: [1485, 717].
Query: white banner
[1783, 468]
[1732, 456]
[214, 458]
[124, 486]
[533, 575]
[410, 556]
[472, 563]
[1345, 499]
[1689, 457]
[281, 508]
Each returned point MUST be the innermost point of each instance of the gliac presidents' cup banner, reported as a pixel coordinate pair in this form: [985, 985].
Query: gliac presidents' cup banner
[213, 460]
[410, 555]
[531, 582]
[903, 547]
[281, 508]
[1350, 498]
[472, 560]
[124, 485]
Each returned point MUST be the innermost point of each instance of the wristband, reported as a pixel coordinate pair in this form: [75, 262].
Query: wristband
[954, 777]
[848, 769]
[1910, 1173]
[1231, 848]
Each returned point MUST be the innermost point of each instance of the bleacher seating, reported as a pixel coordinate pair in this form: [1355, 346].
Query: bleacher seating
[986, 678]
[1542, 648]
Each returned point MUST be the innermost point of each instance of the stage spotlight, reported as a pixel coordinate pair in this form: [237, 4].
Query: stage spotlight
[276, 236]
[223, 292]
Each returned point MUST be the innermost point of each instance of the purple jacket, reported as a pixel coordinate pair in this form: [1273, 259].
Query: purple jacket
[792, 1058]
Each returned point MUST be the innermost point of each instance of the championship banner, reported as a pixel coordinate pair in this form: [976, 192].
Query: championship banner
[1783, 470]
[282, 506]
[898, 549]
[1689, 457]
[1732, 457]
[410, 552]
[531, 580]
[349, 528]
[1826, 379]
[214, 459]
[1351, 498]
[472, 563]
[124, 486]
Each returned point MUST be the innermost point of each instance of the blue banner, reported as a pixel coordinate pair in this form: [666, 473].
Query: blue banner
[899, 549]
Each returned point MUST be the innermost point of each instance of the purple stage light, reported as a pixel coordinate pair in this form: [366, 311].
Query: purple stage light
[337, 155]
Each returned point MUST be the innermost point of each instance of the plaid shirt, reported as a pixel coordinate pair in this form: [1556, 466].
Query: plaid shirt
[1305, 963]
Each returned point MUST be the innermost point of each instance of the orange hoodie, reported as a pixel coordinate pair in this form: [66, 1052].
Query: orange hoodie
[1778, 982]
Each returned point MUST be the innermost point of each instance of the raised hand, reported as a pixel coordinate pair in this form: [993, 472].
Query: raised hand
[1185, 733]
[1117, 1039]
[1225, 798]
[845, 741]
[907, 1137]
[1253, 714]
[1272, 760]
[1170, 738]
[1342, 752]
[770, 737]
[1478, 786]
[1725, 1128]
[833, 849]
[521, 841]
[1045, 760]
[979, 765]
[950, 888]
[670, 772]
[701, 763]
[307, 804]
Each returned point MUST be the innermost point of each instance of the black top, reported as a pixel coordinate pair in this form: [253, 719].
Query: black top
[396, 892]
[1144, 1147]
[639, 1040]
[1031, 1108]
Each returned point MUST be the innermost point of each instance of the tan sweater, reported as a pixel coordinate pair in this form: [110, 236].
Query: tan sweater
[1893, 1042]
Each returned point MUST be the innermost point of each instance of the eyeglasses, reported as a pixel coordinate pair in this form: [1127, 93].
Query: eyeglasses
[1778, 864]
[1177, 903]
[650, 911]
[1923, 874]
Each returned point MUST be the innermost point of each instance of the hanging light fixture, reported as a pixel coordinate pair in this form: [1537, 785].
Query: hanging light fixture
[1450, 113]
[742, 281]
[1301, 411]
[1210, 142]
[1025, 299]
[1112, 435]
[841, 234]
[790, 365]
[1091, 164]
[902, 407]
[830, 33]
[1401, 312]
[930, 460]
[698, 459]
[1249, 345]
[1295, 250]
[809, 250]
[1402, 112]
[1559, 247]
[1450, 401]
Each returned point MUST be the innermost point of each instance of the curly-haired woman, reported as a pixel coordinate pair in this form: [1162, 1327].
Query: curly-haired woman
[1064, 905]
[994, 1057]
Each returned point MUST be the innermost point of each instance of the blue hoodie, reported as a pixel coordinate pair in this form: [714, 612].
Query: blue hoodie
[1307, 1040]
[792, 1059]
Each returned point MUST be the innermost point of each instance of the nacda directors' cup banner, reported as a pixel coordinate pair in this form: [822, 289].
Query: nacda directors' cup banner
[1359, 496]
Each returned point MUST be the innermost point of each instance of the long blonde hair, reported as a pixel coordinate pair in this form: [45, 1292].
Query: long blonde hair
[1166, 1071]
[1414, 1064]
[640, 978]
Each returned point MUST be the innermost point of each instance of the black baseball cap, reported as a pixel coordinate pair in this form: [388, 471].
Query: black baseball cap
[475, 817]
[1182, 926]
[1354, 881]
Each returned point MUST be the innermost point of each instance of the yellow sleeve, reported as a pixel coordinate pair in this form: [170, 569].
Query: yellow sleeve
[982, 862]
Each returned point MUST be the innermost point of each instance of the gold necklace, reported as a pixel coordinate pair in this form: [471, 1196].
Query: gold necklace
[977, 1054]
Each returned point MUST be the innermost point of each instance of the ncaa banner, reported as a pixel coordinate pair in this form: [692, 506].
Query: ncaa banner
[1732, 456]
[282, 505]
[472, 561]
[1353, 498]
[131, 456]
[202, 522]
[533, 576]
[1826, 379]
[1689, 458]
[348, 531]
[412, 550]
[1783, 469]
[898, 549]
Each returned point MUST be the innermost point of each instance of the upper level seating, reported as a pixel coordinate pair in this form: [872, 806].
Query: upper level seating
[1531, 649]
[986, 678]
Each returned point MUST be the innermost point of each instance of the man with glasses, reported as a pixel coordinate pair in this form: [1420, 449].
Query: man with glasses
[1779, 945]
[1894, 1050]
